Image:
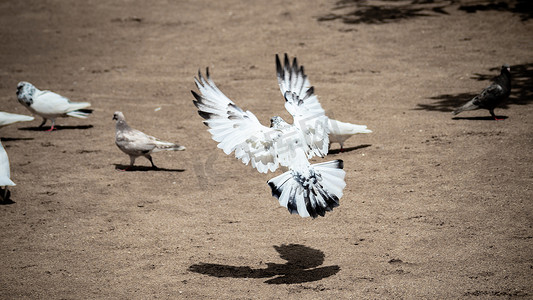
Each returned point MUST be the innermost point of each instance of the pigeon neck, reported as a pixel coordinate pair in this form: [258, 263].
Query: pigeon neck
[122, 124]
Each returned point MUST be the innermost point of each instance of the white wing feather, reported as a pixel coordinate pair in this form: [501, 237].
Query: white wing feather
[303, 105]
[235, 129]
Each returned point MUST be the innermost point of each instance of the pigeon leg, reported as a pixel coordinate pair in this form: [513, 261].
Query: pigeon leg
[53, 123]
[342, 148]
[132, 161]
[44, 121]
[494, 116]
[150, 159]
[5, 193]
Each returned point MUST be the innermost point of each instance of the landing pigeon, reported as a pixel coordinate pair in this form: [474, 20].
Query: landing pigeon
[339, 131]
[50, 105]
[492, 95]
[9, 118]
[306, 189]
[5, 178]
[136, 143]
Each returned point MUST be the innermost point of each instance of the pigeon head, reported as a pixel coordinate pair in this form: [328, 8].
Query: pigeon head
[25, 92]
[278, 123]
[506, 67]
[119, 116]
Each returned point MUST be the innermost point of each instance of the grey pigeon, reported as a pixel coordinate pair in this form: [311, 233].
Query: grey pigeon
[50, 105]
[136, 143]
[305, 189]
[492, 95]
[9, 118]
[5, 179]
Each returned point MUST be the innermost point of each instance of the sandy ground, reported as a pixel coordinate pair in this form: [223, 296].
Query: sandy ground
[434, 207]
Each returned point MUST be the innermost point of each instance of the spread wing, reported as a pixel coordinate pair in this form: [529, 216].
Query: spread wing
[303, 105]
[235, 129]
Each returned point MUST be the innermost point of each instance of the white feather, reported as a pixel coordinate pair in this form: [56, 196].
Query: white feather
[9, 118]
[5, 175]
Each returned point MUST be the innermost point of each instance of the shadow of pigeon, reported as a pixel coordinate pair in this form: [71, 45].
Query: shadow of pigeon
[8, 139]
[481, 118]
[348, 149]
[7, 200]
[128, 168]
[57, 128]
[302, 266]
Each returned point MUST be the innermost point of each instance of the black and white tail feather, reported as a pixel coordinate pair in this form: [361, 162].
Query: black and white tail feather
[308, 190]
[312, 195]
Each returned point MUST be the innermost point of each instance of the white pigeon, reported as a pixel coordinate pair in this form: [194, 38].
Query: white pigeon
[339, 131]
[306, 189]
[5, 178]
[9, 118]
[136, 143]
[50, 105]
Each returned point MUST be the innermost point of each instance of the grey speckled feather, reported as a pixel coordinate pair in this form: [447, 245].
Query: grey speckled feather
[136, 143]
[492, 95]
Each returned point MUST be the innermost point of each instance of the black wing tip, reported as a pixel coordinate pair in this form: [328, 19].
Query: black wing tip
[286, 61]
[310, 91]
[205, 115]
[340, 164]
[279, 68]
[198, 98]
[276, 192]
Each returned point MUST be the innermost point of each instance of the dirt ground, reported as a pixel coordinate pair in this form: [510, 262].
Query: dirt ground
[434, 207]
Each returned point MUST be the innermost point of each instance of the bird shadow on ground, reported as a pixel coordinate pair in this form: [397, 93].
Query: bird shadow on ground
[56, 128]
[127, 168]
[389, 11]
[8, 139]
[7, 200]
[366, 12]
[483, 118]
[302, 266]
[523, 8]
[521, 90]
[349, 149]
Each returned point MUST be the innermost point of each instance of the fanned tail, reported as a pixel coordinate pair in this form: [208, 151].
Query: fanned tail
[313, 194]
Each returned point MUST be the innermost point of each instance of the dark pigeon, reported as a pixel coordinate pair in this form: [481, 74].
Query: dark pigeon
[492, 95]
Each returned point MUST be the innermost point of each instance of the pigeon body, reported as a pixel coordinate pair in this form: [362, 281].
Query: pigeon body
[339, 131]
[136, 143]
[9, 118]
[5, 177]
[491, 96]
[306, 189]
[50, 105]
